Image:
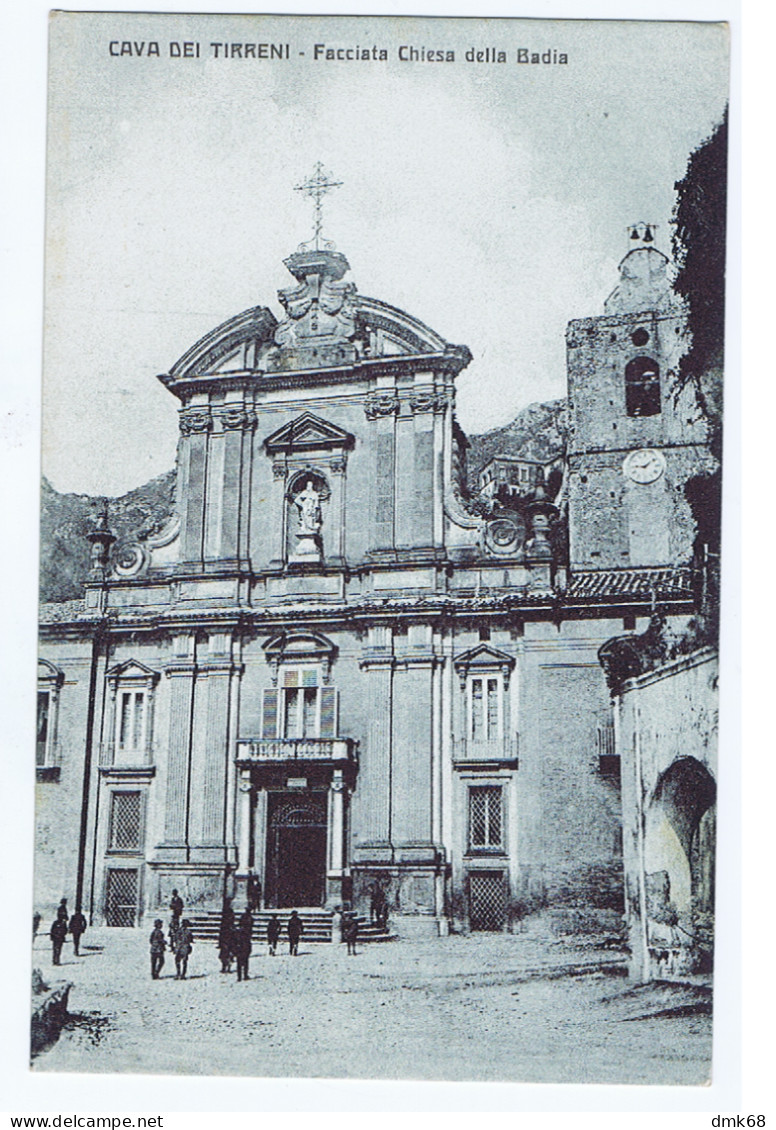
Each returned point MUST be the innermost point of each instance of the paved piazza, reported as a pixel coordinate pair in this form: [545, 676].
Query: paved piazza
[485, 1007]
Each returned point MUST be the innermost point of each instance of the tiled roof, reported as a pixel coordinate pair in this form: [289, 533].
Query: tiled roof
[61, 611]
[609, 583]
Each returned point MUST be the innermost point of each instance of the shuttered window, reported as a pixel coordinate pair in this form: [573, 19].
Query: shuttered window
[269, 714]
[300, 707]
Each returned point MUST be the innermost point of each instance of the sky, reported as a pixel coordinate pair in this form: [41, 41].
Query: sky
[490, 200]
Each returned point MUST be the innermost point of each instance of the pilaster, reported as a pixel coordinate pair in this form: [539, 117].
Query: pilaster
[180, 671]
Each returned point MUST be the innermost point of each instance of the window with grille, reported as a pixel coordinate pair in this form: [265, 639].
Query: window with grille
[487, 900]
[485, 817]
[485, 708]
[42, 746]
[125, 822]
[131, 721]
[121, 897]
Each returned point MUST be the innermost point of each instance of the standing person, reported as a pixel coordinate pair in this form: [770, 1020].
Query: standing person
[172, 933]
[351, 932]
[242, 944]
[295, 931]
[273, 933]
[35, 925]
[176, 904]
[226, 936]
[57, 933]
[62, 913]
[183, 942]
[158, 946]
[77, 928]
[254, 893]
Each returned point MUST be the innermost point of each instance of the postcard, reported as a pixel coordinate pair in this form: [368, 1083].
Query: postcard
[380, 548]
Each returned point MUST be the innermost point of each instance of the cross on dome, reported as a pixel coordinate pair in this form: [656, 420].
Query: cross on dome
[316, 187]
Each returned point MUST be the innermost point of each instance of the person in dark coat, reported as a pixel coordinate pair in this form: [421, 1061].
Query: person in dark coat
[184, 940]
[77, 928]
[172, 933]
[295, 930]
[242, 944]
[226, 937]
[254, 893]
[158, 946]
[176, 904]
[351, 932]
[273, 934]
[35, 925]
[57, 933]
[62, 913]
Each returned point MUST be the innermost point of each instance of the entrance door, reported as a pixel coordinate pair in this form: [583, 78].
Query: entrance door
[487, 902]
[296, 850]
[121, 898]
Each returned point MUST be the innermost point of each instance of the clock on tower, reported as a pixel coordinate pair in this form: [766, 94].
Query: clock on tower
[633, 442]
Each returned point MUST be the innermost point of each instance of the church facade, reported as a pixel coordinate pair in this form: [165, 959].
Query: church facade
[331, 671]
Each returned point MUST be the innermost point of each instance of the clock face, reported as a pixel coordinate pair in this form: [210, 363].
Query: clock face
[644, 466]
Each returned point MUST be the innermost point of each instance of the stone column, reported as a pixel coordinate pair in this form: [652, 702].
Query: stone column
[275, 524]
[411, 797]
[210, 751]
[245, 789]
[373, 787]
[381, 407]
[181, 672]
[237, 424]
[260, 838]
[337, 853]
[195, 424]
[334, 549]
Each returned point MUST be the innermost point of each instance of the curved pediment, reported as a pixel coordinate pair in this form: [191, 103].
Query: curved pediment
[291, 647]
[49, 674]
[390, 330]
[224, 348]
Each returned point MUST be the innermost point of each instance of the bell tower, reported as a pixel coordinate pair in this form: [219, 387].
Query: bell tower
[633, 440]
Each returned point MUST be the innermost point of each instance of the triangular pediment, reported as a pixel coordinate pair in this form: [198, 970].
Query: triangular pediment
[132, 670]
[484, 656]
[308, 433]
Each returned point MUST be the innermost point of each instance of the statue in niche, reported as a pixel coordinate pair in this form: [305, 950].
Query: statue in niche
[308, 503]
[310, 517]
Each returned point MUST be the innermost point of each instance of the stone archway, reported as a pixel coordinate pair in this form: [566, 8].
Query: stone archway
[679, 858]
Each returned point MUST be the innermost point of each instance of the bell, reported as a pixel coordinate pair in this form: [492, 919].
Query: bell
[648, 237]
[634, 233]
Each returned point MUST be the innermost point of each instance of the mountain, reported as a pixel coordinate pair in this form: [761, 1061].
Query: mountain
[66, 519]
[536, 433]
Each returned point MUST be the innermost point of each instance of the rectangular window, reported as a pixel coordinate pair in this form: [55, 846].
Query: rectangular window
[477, 712]
[125, 822]
[485, 708]
[300, 699]
[485, 817]
[131, 720]
[41, 749]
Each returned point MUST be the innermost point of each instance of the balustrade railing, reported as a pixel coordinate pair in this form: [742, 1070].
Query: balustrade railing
[295, 749]
[496, 749]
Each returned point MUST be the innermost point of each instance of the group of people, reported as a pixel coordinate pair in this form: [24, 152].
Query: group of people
[64, 924]
[180, 937]
[235, 937]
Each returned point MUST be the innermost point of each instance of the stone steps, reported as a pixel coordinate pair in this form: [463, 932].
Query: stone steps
[317, 924]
